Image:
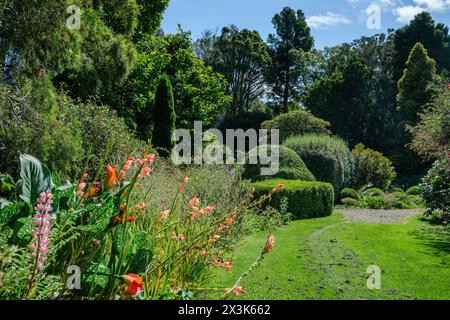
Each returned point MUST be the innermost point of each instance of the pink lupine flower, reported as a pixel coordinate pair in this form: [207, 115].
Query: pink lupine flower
[42, 221]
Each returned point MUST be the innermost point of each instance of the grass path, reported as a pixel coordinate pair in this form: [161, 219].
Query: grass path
[327, 258]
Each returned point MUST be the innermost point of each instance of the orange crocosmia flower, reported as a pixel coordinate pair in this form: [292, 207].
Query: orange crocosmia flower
[146, 171]
[111, 177]
[134, 284]
[91, 191]
[269, 243]
[194, 202]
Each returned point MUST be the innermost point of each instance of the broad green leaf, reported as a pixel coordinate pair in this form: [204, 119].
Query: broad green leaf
[36, 178]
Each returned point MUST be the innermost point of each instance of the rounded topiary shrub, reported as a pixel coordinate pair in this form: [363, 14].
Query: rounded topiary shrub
[396, 189]
[328, 158]
[305, 198]
[414, 191]
[349, 193]
[291, 166]
[296, 123]
[371, 167]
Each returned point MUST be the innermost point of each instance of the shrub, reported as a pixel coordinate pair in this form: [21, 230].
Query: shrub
[436, 188]
[349, 202]
[396, 189]
[291, 167]
[414, 191]
[297, 123]
[164, 118]
[373, 192]
[349, 193]
[305, 199]
[371, 167]
[373, 202]
[328, 158]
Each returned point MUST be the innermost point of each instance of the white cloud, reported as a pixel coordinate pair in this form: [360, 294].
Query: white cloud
[433, 5]
[407, 13]
[327, 20]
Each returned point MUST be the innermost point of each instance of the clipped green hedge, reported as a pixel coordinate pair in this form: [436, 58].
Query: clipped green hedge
[305, 198]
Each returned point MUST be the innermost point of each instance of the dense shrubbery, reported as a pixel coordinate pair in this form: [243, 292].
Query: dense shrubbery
[328, 158]
[243, 120]
[371, 167]
[291, 167]
[296, 123]
[436, 188]
[305, 199]
[65, 134]
[374, 198]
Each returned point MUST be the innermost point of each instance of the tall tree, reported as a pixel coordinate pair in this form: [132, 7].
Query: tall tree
[414, 92]
[288, 48]
[241, 56]
[346, 100]
[164, 119]
[434, 36]
[415, 87]
[199, 92]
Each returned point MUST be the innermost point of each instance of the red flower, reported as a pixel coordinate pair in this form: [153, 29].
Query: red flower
[134, 284]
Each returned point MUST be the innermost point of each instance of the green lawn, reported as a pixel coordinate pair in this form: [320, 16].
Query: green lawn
[327, 258]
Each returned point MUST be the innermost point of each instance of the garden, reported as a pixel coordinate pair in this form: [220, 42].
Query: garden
[94, 207]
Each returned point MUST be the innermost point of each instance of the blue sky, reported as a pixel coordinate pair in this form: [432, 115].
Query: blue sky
[332, 21]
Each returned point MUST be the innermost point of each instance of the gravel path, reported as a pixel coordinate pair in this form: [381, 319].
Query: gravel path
[379, 216]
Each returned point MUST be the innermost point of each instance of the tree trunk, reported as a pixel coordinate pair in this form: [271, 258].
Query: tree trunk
[286, 92]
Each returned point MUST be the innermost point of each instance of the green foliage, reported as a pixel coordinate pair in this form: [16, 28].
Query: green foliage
[35, 178]
[243, 120]
[36, 121]
[305, 199]
[346, 100]
[349, 202]
[328, 158]
[291, 166]
[199, 92]
[100, 126]
[373, 192]
[165, 117]
[414, 191]
[414, 88]
[431, 136]
[296, 123]
[433, 36]
[374, 198]
[241, 56]
[288, 49]
[347, 193]
[436, 188]
[371, 167]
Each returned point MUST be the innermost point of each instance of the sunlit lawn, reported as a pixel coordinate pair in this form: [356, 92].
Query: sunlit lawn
[327, 258]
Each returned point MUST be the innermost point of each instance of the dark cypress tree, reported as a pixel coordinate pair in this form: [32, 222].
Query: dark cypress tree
[164, 117]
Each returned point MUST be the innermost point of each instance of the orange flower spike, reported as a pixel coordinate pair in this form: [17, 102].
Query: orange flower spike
[269, 243]
[111, 176]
